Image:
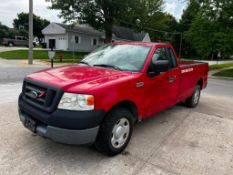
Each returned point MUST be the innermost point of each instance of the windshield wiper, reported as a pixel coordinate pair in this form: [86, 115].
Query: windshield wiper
[84, 62]
[109, 66]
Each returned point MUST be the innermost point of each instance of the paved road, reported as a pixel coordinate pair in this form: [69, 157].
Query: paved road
[13, 71]
[12, 74]
[218, 87]
[176, 141]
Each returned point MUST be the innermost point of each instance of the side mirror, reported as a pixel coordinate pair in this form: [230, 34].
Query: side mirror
[158, 67]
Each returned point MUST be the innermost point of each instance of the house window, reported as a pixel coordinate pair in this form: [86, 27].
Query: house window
[94, 41]
[77, 39]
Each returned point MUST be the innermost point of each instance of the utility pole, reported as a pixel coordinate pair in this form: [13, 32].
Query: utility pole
[30, 52]
[180, 50]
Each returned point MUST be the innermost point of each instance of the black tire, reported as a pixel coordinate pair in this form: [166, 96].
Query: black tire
[106, 137]
[193, 101]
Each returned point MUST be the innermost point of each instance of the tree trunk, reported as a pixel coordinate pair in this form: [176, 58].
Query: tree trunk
[108, 35]
[108, 30]
[108, 25]
[212, 56]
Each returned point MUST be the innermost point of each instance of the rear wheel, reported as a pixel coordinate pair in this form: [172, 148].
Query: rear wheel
[194, 99]
[10, 44]
[115, 132]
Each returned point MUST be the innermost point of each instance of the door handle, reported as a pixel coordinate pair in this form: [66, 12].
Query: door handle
[171, 79]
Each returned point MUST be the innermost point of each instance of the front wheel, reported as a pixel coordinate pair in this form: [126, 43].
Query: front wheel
[115, 132]
[195, 98]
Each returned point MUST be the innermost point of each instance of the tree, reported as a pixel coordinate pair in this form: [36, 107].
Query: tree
[21, 24]
[211, 31]
[209, 38]
[189, 14]
[148, 16]
[4, 31]
[141, 13]
[103, 14]
[187, 18]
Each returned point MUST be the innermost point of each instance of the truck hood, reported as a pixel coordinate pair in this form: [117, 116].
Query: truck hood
[69, 76]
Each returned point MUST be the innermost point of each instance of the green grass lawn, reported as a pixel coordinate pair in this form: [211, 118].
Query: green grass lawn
[43, 55]
[225, 73]
[220, 66]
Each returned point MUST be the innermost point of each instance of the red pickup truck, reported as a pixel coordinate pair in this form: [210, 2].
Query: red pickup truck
[100, 99]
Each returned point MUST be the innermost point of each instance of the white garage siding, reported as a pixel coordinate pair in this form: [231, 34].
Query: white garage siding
[83, 42]
[61, 41]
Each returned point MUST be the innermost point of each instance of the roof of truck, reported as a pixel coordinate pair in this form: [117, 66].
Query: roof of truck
[144, 43]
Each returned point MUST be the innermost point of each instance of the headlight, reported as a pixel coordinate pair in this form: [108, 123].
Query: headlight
[77, 102]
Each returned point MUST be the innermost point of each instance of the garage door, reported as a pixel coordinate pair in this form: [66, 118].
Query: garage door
[61, 43]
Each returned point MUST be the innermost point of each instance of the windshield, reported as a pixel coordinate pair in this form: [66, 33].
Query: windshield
[121, 57]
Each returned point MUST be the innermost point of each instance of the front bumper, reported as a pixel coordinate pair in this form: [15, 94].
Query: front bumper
[67, 136]
[63, 126]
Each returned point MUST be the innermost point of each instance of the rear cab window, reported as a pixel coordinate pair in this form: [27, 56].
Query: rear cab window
[171, 57]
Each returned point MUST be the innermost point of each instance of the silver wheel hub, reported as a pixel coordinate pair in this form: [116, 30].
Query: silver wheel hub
[120, 133]
[196, 96]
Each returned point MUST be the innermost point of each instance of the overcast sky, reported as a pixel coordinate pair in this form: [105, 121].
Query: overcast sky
[10, 8]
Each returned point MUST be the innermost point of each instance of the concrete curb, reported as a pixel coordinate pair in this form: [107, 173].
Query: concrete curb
[24, 63]
[211, 74]
[221, 78]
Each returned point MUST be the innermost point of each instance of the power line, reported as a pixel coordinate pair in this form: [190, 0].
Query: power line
[151, 29]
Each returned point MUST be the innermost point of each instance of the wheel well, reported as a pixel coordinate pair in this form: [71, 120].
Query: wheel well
[130, 106]
[200, 82]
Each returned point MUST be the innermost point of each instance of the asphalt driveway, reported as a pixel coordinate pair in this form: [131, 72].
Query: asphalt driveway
[176, 141]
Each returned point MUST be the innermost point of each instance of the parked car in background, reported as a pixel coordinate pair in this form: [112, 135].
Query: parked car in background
[18, 41]
[99, 100]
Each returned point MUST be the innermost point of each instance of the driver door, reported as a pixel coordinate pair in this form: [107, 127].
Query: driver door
[157, 87]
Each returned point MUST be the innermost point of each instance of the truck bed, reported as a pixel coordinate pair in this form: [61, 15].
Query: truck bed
[184, 64]
[191, 73]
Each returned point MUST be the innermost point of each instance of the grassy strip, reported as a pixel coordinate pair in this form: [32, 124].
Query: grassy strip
[225, 73]
[42, 55]
[220, 66]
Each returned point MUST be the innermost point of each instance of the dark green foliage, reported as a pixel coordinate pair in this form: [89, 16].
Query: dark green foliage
[21, 24]
[4, 31]
[103, 14]
[209, 30]
[100, 14]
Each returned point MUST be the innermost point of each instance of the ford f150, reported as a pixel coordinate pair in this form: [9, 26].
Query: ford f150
[99, 100]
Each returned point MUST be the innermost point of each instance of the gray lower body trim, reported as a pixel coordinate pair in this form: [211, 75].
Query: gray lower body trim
[67, 136]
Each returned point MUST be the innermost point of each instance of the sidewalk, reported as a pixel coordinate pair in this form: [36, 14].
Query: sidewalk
[215, 62]
[211, 74]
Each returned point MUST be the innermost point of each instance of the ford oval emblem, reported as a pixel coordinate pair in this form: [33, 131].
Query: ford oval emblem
[35, 94]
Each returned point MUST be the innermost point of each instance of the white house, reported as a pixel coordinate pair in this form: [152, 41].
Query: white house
[79, 38]
[84, 38]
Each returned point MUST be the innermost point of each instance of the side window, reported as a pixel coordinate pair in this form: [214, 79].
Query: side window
[172, 58]
[160, 54]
